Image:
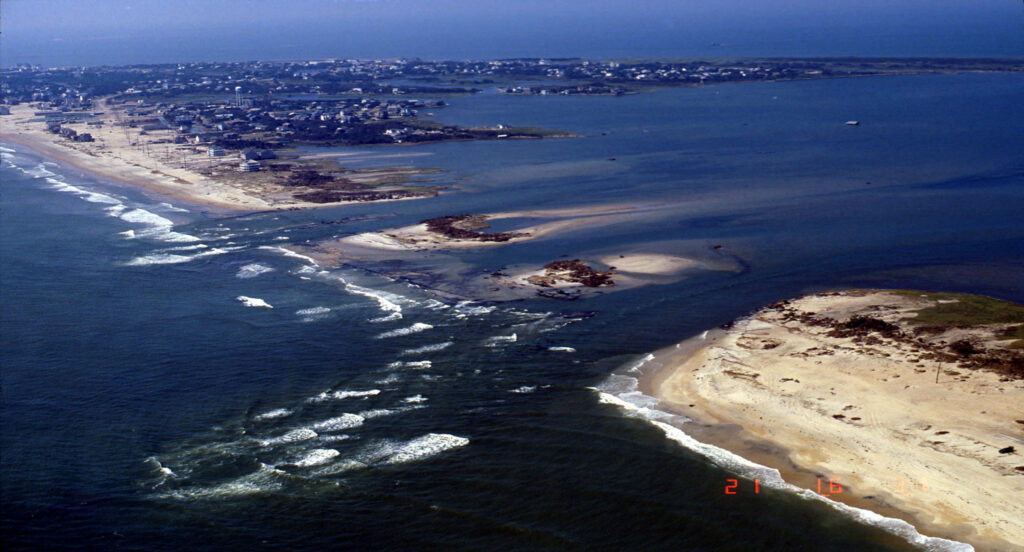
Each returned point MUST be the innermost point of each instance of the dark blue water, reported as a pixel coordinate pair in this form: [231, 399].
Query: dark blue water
[145, 407]
[149, 31]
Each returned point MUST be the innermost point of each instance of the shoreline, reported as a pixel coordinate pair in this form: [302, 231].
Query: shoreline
[917, 452]
[121, 172]
[112, 157]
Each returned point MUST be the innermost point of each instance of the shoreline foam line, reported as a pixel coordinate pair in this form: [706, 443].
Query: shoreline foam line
[772, 478]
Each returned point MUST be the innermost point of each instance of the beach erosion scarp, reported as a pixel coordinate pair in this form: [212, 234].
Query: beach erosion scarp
[866, 393]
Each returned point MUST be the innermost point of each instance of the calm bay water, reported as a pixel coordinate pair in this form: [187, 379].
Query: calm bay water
[146, 407]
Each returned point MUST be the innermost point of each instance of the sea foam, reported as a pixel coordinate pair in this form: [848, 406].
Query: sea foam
[253, 302]
[415, 328]
[424, 447]
[637, 405]
[252, 270]
[427, 348]
[341, 395]
[273, 414]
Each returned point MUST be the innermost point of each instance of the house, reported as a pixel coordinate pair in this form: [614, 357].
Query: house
[249, 166]
[215, 151]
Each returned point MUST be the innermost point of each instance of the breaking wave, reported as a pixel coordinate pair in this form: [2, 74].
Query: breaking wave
[415, 328]
[293, 436]
[337, 423]
[265, 479]
[622, 391]
[423, 447]
[252, 270]
[427, 349]
[253, 302]
[273, 414]
[341, 395]
[290, 253]
[316, 457]
[163, 257]
[497, 340]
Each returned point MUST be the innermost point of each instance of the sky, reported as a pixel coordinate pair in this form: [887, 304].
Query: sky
[90, 32]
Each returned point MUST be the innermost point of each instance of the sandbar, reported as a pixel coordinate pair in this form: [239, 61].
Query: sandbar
[421, 237]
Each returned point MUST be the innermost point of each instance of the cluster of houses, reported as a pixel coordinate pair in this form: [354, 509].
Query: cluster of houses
[267, 123]
[56, 127]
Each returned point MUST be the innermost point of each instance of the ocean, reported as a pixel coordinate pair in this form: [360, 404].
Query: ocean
[174, 379]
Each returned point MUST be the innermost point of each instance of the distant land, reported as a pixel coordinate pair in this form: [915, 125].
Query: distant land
[225, 134]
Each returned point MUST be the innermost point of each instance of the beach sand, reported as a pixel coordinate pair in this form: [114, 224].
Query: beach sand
[864, 410]
[418, 237]
[124, 155]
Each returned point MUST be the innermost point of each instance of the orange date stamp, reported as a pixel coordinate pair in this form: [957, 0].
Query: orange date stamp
[832, 486]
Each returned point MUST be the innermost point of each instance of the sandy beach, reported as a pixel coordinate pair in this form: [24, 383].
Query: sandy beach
[150, 160]
[921, 421]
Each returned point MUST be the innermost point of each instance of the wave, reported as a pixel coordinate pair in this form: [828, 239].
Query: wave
[87, 195]
[334, 438]
[465, 309]
[174, 208]
[415, 399]
[500, 339]
[273, 414]
[290, 253]
[265, 479]
[524, 389]
[253, 302]
[341, 395]
[337, 423]
[562, 349]
[391, 378]
[160, 469]
[379, 413]
[293, 436]
[423, 447]
[388, 302]
[316, 457]
[415, 328]
[155, 226]
[312, 311]
[252, 270]
[637, 405]
[39, 171]
[161, 258]
[427, 348]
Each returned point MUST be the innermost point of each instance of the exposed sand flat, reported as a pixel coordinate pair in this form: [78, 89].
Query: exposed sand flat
[418, 237]
[161, 166]
[649, 263]
[865, 409]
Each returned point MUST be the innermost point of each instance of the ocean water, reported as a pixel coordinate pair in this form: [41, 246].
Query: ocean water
[173, 379]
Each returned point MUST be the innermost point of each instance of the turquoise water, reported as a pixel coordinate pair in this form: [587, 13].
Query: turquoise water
[146, 407]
